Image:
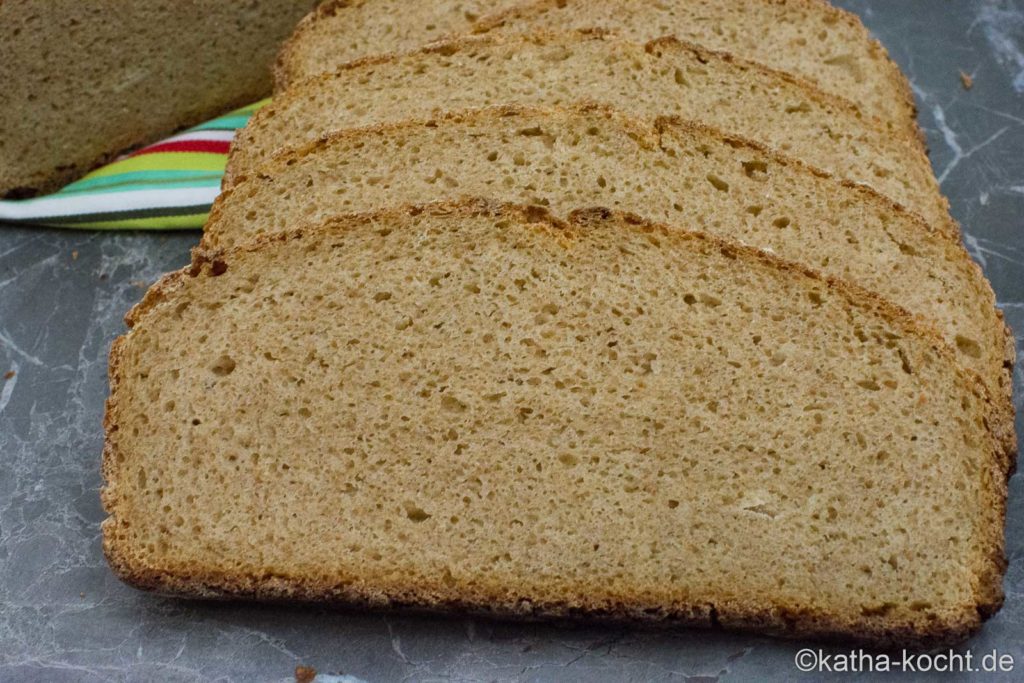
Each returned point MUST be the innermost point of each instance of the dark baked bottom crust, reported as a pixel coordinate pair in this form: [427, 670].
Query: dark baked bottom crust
[779, 621]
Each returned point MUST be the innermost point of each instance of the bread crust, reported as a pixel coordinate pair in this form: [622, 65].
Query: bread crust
[594, 602]
[899, 83]
[1002, 418]
[639, 126]
[284, 78]
[299, 89]
[281, 71]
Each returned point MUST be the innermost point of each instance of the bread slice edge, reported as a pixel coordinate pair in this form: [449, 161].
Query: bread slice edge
[644, 128]
[450, 46]
[776, 619]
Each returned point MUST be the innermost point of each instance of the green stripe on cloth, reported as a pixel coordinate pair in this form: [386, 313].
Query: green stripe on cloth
[141, 218]
[132, 180]
[193, 161]
[235, 120]
[183, 222]
[167, 186]
[226, 123]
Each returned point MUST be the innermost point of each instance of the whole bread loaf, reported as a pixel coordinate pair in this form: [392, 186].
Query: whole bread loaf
[679, 173]
[664, 77]
[81, 81]
[469, 406]
[809, 38]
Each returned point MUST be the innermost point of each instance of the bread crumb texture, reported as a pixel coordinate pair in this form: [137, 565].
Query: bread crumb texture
[679, 173]
[474, 406]
[665, 77]
[809, 38]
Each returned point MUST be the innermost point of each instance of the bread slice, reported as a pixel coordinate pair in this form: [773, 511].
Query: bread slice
[664, 77]
[470, 406]
[82, 81]
[809, 38]
[340, 31]
[682, 174]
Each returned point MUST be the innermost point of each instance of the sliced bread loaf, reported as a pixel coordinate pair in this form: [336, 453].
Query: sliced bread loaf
[665, 77]
[809, 38]
[81, 82]
[682, 174]
[340, 31]
[477, 407]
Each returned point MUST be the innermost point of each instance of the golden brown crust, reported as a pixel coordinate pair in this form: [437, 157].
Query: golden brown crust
[328, 8]
[893, 74]
[300, 89]
[639, 127]
[1003, 423]
[284, 78]
[1002, 419]
[777, 619]
[911, 141]
[486, 26]
[782, 620]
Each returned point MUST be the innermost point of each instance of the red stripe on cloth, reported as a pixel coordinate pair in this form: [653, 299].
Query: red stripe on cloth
[209, 146]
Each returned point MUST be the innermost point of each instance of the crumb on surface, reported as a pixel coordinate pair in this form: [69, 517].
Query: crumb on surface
[9, 374]
[967, 80]
[304, 674]
[74, 255]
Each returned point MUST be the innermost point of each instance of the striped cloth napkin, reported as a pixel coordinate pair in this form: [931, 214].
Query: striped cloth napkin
[167, 185]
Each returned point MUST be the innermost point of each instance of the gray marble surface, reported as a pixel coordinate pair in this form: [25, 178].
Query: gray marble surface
[64, 617]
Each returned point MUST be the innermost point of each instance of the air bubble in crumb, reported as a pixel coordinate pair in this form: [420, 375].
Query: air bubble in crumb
[453, 404]
[223, 366]
[415, 512]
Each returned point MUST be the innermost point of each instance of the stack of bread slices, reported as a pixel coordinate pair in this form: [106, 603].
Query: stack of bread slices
[618, 309]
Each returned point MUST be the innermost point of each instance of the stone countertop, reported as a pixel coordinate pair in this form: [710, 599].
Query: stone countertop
[64, 617]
